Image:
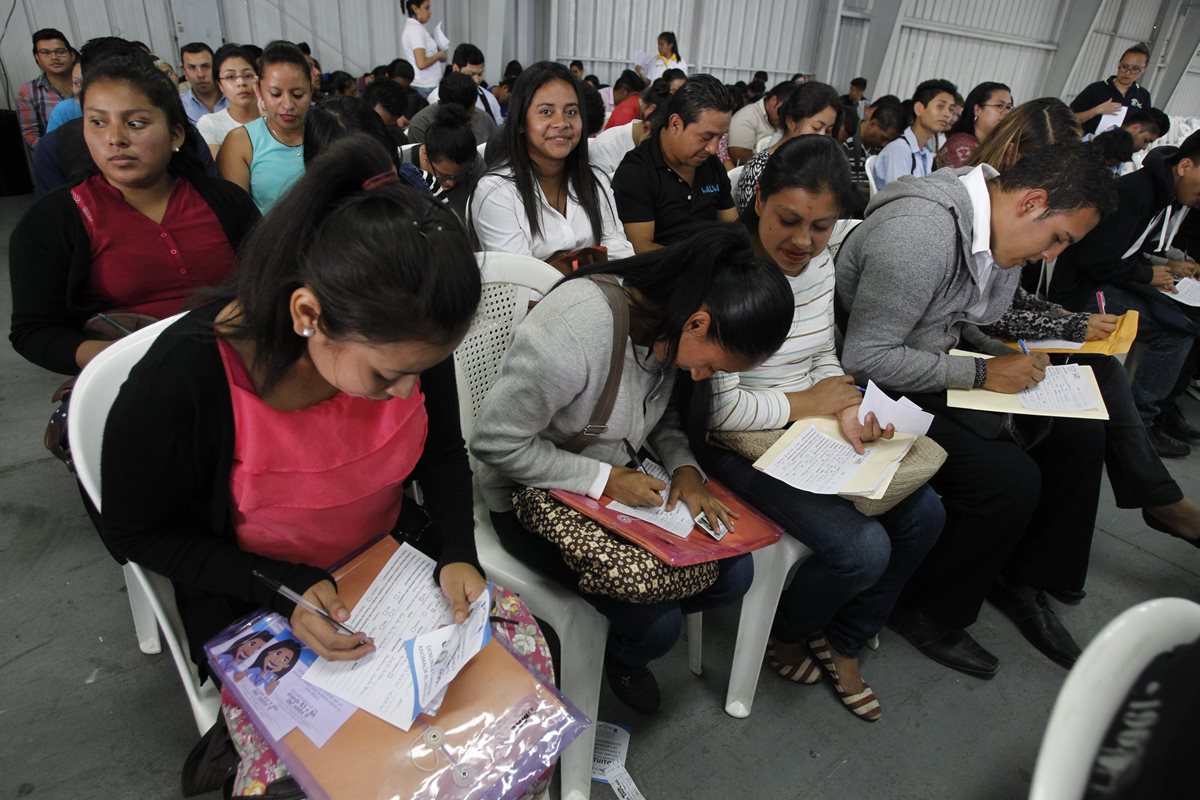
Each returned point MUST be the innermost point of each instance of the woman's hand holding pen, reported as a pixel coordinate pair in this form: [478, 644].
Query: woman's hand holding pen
[1100, 326]
[634, 487]
[1016, 373]
[687, 485]
[322, 637]
[461, 583]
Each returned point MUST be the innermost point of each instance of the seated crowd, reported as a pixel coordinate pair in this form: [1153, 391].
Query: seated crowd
[292, 215]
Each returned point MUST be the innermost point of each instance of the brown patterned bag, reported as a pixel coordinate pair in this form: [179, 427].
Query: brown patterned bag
[608, 565]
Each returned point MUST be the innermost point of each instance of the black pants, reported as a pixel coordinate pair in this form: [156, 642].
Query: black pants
[1026, 515]
[1136, 473]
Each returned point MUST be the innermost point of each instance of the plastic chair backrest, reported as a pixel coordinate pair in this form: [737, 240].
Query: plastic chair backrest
[869, 166]
[406, 148]
[509, 281]
[766, 141]
[735, 177]
[841, 229]
[1096, 688]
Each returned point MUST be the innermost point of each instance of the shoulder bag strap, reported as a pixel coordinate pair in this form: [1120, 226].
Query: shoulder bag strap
[598, 425]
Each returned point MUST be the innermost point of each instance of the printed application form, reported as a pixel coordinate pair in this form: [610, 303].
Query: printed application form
[679, 521]
[1064, 388]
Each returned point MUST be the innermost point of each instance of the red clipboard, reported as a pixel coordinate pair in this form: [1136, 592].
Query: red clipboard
[753, 531]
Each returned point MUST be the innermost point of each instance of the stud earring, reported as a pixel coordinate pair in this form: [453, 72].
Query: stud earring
[308, 332]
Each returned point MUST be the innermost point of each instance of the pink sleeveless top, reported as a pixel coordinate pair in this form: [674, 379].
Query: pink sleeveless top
[318, 484]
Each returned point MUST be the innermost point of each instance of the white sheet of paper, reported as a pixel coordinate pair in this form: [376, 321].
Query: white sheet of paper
[678, 522]
[318, 713]
[1187, 291]
[439, 655]
[1052, 344]
[439, 36]
[904, 414]
[622, 784]
[1112, 120]
[643, 60]
[816, 463]
[612, 746]
[1064, 389]
[402, 602]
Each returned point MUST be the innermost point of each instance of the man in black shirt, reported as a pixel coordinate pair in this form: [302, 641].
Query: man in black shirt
[673, 181]
[1122, 89]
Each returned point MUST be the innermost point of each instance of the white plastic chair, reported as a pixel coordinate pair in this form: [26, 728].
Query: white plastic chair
[481, 148]
[1096, 687]
[509, 280]
[735, 177]
[841, 229]
[151, 596]
[869, 166]
[767, 141]
[406, 148]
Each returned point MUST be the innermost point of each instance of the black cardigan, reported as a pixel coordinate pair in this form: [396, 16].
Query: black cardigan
[50, 261]
[165, 466]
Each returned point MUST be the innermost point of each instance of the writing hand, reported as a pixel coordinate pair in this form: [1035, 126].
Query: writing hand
[319, 635]
[1016, 373]
[634, 488]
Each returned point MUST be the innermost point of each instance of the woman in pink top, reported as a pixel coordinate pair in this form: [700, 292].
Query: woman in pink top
[274, 428]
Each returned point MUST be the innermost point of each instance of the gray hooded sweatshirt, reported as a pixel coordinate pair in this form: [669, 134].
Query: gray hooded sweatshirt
[907, 277]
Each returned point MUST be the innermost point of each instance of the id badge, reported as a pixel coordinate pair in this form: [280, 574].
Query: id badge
[702, 520]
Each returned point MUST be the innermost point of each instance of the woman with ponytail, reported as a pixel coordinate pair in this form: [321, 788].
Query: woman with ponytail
[704, 305]
[286, 413]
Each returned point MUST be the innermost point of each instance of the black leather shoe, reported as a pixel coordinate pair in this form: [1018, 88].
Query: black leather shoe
[1164, 528]
[635, 687]
[1068, 596]
[1173, 423]
[1027, 607]
[951, 647]
[1166, 445]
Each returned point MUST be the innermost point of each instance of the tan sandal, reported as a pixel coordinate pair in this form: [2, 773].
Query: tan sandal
[863, 703]
[801, 670]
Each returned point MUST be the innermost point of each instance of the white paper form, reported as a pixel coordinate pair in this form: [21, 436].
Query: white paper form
[438, 656]
[1109, 121]
[1064, 388]
[678, 522]
[440, 37]
[318, 713]
[611, 749]
[817, 463]
[1052, 344]
[401, 603]
[905, 415]
[1187, 291]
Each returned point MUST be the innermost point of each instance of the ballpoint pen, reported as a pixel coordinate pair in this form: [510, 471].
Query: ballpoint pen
[633, 456]
[279, 588]
[1100, 302]
[1024, 349]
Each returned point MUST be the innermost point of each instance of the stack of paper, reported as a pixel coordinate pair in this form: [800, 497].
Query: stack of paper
[677, 521]
[814, 456]
[417, 651]
[904, 415]
[1066, 391]
[1187, 291]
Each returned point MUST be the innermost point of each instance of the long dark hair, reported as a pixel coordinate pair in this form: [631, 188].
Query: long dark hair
[813, 163]
[977, 97]
[387, 264]
[581, 180]
[339, 117]
[138, 70]
[449, 137]
[807, 101]
[281, 52]
[716, 269]
[669, 38]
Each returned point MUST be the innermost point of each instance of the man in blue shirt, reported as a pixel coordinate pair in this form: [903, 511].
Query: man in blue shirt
[913, 152]
[203, 97]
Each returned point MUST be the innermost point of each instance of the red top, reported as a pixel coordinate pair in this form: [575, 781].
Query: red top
[624, 112]
[318, 484]
[957, 150]
[145, 266]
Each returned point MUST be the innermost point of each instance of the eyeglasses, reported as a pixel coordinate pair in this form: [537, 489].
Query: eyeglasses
[57, 52]
[233, 77]
[1005, 107]
[443, 177]
[1132, 69]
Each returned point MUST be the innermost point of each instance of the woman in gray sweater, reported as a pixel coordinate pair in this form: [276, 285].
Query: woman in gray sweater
[703, 305]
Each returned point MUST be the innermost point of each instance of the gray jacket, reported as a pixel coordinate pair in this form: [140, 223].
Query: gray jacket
[549, 383]
[905, 275]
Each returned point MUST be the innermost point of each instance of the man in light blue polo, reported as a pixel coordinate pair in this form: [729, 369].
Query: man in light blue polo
[203, 97]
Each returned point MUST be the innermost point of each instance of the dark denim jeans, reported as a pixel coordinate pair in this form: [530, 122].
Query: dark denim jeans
[638, 633]
[859, 564]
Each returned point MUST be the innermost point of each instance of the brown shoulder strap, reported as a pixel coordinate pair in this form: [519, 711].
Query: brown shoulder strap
[598, 425]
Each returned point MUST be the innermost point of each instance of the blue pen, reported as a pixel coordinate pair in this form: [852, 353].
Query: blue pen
[862, 389]
[1024, 349]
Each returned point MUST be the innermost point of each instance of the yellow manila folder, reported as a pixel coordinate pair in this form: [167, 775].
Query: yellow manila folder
[1116, 343]
[1067, 391]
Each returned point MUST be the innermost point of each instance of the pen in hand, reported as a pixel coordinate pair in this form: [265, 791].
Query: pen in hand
[633, 457]
[280, 589]
[1024, 349]
[1100, 302]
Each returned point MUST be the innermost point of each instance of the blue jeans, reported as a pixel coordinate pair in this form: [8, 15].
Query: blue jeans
[1166, 330]
[859, 564]
[638, 633]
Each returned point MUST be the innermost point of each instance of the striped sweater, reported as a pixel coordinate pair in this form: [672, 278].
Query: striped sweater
[757, 400]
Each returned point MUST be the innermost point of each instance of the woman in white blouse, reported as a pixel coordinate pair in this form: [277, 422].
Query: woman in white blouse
[543, 197]
[419, 47]
[667, 58]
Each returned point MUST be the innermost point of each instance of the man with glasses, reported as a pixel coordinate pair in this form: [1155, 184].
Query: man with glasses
[203, 96]
[36, 99]
[1122, 89]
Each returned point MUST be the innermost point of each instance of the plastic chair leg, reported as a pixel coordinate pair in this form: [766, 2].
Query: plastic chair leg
[145, 625]
[695, 639]
[582, 666]
[754, 626]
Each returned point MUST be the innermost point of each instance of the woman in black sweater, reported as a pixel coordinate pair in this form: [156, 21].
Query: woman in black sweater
[253, 435]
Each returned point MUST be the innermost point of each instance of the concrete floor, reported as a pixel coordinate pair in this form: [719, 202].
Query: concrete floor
[85, 714]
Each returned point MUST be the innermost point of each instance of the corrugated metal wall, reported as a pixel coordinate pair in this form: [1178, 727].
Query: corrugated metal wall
[1119, 24]
[972, 42]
